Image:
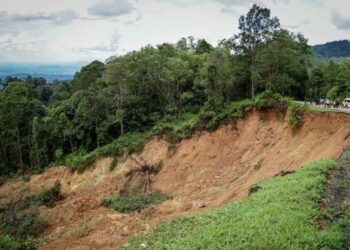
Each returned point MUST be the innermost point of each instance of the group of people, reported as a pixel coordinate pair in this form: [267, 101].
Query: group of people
[332, 104]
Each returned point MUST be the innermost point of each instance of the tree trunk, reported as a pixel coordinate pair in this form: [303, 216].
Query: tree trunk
[252, 81]
[19, 148]
[122, 126]
[71, 143]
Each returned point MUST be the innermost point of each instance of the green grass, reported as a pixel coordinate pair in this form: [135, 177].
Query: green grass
[282, 215]
[317, 109]
[347, 221]
[136, 202]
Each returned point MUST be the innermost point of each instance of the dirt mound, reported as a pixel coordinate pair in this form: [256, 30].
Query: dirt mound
[208, 170]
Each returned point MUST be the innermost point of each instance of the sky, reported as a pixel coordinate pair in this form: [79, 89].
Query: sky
[58, 31]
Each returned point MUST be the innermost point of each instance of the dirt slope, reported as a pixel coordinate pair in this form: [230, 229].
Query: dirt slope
[210, 169]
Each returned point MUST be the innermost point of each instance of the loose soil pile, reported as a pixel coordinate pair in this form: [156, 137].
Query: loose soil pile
[205, 171]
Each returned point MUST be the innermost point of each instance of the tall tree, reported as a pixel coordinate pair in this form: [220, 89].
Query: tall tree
[255, 28]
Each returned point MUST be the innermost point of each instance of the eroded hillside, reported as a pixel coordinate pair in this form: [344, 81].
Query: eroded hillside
[205, 171]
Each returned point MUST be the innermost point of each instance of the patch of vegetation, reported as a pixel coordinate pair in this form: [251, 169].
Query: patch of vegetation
[49, 196]
[21, 220]
[279, 216]
[82, 229]
[135, 203]
[347, 221]
[130, 143]
[296, 115]
[113, 164]
[9, 243]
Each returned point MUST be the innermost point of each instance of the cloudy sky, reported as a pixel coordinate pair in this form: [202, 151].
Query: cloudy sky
[54, 31]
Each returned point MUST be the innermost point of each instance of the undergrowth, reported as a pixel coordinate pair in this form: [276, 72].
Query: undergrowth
[20, 220]
[282, 215]
[9, 243]
[136, 202]
[296, 116]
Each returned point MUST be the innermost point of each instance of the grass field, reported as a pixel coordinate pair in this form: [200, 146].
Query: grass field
[284, 214]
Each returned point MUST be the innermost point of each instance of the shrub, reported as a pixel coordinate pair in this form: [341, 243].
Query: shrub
[135, 203]
[21, 219]
[9, 243]
[49, 196]
[113, 164]
[296, 116]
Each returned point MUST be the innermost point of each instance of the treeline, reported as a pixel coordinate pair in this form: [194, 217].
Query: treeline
[335, 49]
[41, 123]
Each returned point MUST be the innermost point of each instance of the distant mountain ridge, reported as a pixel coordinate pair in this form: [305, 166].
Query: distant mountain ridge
[334, 49]
[50, 72]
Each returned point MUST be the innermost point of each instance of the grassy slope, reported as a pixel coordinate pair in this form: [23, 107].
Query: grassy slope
[280, 216]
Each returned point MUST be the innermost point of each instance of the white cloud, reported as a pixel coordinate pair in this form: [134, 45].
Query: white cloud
[58, 18]
[340, 21]
[18, 42]
[111, 8]
[37, 30]
[110, 45]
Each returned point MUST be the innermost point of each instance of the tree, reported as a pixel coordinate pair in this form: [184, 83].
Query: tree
[177, 75]
[256, 28]
[88, 75]
[281, 64]
[222, 73]
[18, 109]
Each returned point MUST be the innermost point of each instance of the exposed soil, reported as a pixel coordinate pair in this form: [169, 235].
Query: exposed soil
[205, 171]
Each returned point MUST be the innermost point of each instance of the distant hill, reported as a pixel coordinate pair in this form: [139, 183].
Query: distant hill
[335, 49]
[50, 72]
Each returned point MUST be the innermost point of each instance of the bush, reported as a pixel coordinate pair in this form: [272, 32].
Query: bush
[9, 243]
[21, 219]
[49, 196]
[135, 203]
[113, 164]
[296, 116]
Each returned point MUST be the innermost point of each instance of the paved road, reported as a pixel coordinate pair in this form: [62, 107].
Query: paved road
[340, 109]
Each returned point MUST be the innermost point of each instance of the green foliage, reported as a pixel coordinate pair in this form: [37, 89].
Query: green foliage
[136, 202]
[9, 243]
[21, 219]
[113, 165]
[49, 196]
[282, 215]
[296, 115]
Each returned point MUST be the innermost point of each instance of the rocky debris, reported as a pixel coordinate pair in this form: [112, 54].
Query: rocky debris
[201, 204]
